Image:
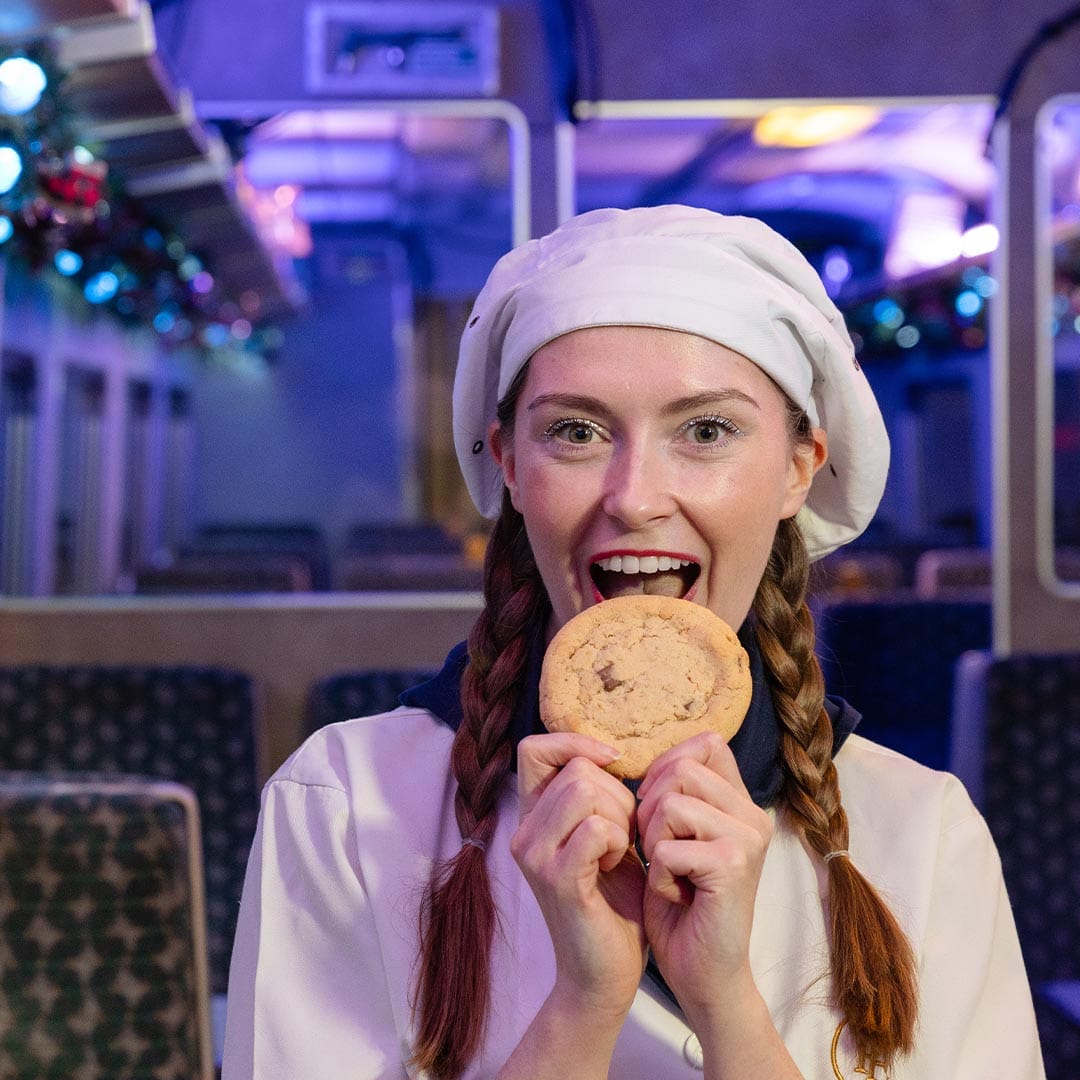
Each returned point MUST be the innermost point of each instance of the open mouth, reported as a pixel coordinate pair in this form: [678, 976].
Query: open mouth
[654, 575]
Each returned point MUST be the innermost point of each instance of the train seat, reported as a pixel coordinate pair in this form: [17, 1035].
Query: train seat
[417, 556]
[1016, 746]
[192, 725]
[102, 928]
[348, 694]
[958, 572]
[894, 660]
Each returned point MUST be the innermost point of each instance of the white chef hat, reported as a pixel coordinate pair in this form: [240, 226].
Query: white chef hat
[730, 279]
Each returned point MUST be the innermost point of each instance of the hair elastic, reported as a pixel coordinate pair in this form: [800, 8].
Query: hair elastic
[842, 853]
[472, 841]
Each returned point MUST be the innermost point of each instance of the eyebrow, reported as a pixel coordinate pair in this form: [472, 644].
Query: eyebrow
[702, 400]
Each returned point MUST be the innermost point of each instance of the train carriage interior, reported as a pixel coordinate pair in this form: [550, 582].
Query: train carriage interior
[230, 298]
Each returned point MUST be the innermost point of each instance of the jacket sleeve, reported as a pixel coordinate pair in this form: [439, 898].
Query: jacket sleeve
[307, 992]
[977, 1020]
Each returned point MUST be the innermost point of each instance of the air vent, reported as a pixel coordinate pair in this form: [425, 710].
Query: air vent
[388, 49]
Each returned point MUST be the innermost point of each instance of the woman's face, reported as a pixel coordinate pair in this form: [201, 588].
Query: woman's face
[648, 460]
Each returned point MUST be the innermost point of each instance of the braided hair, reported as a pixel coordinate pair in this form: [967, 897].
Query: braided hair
[873, 967]
[458, 915]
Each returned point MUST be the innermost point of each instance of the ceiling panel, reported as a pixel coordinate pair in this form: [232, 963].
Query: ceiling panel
[25, 19]
[122, 90]
[146, 148]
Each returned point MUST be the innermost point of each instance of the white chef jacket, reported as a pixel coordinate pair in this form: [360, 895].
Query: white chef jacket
[352, 823]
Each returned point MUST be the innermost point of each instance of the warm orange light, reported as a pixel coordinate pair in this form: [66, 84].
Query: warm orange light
[812, 125]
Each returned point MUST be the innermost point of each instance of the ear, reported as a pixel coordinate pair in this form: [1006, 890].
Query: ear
[503, 453]
[806, 459]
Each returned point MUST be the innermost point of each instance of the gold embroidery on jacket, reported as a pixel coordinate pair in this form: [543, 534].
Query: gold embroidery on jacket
[866, 1068]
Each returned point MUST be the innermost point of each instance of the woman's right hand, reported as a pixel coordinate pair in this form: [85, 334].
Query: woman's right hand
[574, 845]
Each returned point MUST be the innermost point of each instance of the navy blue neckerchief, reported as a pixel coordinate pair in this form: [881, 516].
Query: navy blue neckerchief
[756, 745]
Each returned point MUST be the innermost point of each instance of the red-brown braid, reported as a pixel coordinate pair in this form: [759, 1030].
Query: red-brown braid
[458, 914]
[873, 967]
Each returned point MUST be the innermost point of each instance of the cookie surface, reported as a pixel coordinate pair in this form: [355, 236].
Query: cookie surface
[643, 673]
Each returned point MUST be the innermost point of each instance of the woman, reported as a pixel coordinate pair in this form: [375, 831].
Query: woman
[657, 400]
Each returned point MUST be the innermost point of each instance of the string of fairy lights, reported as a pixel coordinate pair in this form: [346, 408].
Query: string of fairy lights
[63, 215]
[948, 311]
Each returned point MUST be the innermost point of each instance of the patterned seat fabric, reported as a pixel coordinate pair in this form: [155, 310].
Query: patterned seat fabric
[1031, 800]
[191, 725]
[358, 693]
[894, 661]
[103, 971]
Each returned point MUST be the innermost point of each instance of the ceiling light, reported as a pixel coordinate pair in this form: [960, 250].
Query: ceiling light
[808, 125]
[926, 233]
[979, 240]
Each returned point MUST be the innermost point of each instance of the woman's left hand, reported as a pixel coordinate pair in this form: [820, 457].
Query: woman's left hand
[705, 841]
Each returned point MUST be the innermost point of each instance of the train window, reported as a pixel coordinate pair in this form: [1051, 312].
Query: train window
[1059, 166]
[390, 220]
[18, 396]
[139, 460]
[140, 521]
[384, 221]
[889, 201]
[84, 508]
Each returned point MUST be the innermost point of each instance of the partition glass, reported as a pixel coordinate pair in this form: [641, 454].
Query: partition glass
[1059, 172]
[889, 202]
[18, 410]
[386, 218]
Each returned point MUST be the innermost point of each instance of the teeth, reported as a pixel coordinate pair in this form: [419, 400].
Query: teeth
[643, 564]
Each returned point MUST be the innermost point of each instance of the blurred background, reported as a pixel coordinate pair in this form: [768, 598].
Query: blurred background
[238, 244]
[239, 247]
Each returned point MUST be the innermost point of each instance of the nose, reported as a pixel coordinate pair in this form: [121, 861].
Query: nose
[637, 488]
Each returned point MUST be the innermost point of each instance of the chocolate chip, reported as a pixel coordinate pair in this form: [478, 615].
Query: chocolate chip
[609, 680]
